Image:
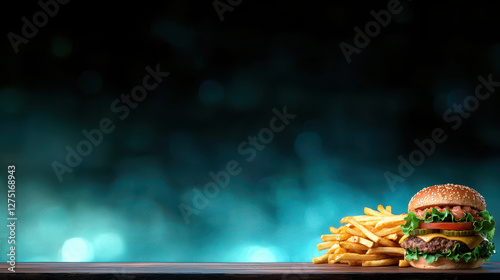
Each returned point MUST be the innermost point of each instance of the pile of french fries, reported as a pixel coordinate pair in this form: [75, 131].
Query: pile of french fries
[366, 240]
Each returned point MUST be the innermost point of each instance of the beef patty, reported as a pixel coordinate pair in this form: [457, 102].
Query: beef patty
[436, 245]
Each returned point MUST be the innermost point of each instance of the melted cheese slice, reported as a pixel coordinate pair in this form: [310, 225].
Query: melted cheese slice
[471, 241]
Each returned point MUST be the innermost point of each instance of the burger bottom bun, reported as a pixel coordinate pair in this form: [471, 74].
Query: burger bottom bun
[444, 263]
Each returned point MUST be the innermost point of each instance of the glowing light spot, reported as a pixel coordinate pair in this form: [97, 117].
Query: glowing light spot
[259, 254]
[77, 250]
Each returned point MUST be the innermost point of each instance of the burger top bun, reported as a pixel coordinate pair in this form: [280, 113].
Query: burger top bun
[447, 195]
[444, 263]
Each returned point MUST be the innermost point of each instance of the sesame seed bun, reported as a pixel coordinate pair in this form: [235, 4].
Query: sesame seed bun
[447, 195]
[444, 263]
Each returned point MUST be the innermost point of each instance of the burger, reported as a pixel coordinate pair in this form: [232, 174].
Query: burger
[448, 227]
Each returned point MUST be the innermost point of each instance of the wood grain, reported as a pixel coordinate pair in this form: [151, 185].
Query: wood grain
[262, 271]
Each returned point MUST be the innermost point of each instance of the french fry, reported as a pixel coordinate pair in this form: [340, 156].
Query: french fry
[328, 237]
[363, 229]
[393, 255]
[361, 240]
[362, 218]
[383, 250]
[362, 257]
[393, 217]
[388, 243]
[334, 258]
[392, 237]
[389, 223]
[321, 259]
[370, 223]
[371, 212]
[333, 249]
[343, 229]
[334, 237]
[326, 245]
[383, 262]
[352, 246]
[370, 228]
[357, 251]
[334, 230]
[386, 231]
[353, 239]
[403, 263]
[355, 232]
[367, 240]
[384, 212]
[340, 251]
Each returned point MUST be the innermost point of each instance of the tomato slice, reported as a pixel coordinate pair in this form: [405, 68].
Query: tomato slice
[446, 225]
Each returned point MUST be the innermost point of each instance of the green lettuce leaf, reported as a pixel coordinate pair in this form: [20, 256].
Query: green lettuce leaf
[412, 222]
[487, 226]
[454, 255]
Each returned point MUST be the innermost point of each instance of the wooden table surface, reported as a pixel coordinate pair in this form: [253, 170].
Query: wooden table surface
[262, 271]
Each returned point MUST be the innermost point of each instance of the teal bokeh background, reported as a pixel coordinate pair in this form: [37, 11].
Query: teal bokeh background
[353, 121]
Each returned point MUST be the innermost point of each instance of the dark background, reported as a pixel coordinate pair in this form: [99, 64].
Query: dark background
[353, 121]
